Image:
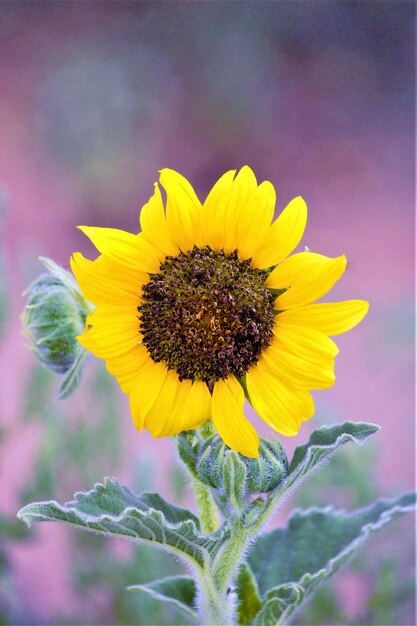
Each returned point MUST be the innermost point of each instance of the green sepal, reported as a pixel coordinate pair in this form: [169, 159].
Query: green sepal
[205, 459]
[187, 450]
[270, 468]
[295, 560]
[210, 460]
[234, 478]
[209, 516]
[111, 509]
[248, 600]
[179, 591]
[254, 511]
[73, 376]
[64, 277]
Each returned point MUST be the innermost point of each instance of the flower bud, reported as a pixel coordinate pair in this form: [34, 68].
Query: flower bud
[267, 471]
[263, 474]
[54, 315]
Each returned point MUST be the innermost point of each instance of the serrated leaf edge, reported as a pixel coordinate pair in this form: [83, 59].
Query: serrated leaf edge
[373, 428]
[384, 518]
[27, 515]
[296, 475]
[343, 556]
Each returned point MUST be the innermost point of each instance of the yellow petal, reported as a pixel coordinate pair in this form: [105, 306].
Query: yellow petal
[194, 408]
[183, 209]
[306, 399]
[114, 315]
[296, 372]
[127, 367]
[155, 228]
[145, 391]
[254, 219]
[308, 343]
[111, 334]
[243, 187]
[231, 424]
[284, 235]
[331, 318]
[134, 251]
[179, 419]
[108, 344]
[213, 215]
[160, 419]
[191, 408]
[314, 281]
[293, 268]
[272, 400]
[105, 282]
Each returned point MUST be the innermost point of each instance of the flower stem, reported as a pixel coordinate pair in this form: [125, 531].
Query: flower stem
[226, 565]
[215, 602]
[214, 608]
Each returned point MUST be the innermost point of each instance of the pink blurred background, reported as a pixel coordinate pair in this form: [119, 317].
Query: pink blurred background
[316, 97]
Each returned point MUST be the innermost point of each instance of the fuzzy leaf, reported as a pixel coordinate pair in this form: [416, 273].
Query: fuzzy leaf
[112, 509]
[279, 604]
[73, 376]
[248, 600]
[322, 444]
[295, 560]
[179, 591]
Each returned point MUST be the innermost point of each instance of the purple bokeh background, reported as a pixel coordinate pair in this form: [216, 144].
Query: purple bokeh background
[316, 97]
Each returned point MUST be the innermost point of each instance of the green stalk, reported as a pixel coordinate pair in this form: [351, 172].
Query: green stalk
[226, 563]
[214, 607]
[215, 602]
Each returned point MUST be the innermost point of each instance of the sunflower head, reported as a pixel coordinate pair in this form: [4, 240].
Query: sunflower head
[205, 306]
[206, 314]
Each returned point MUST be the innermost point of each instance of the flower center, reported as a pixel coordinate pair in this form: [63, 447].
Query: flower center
[206, 314]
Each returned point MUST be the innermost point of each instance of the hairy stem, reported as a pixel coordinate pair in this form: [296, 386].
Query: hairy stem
[215, 601]
[226, 564]
[215, 608]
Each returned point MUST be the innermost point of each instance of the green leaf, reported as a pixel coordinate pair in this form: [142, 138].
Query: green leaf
[112, 509]
[234, 477]
[295, 560]
[322, 444]
[326, 439]
[279, 604]
[73, 376]
[179, 591]
[248, 600]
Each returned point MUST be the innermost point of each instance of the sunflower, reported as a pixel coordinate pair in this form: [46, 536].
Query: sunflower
[205, 307]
